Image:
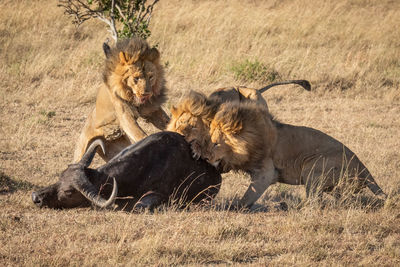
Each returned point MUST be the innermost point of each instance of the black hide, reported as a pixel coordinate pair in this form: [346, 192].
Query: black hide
[159, 167]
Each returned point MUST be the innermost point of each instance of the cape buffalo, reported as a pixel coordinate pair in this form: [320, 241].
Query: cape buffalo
[143, 175]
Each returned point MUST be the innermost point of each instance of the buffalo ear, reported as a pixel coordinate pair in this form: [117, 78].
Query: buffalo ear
[153, 54]
[107, 50]
[122, 58]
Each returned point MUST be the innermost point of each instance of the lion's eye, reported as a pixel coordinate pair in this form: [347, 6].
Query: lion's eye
[216, 145]
[136, 79]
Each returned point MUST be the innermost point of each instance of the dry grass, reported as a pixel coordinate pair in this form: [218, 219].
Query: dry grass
[348, 49]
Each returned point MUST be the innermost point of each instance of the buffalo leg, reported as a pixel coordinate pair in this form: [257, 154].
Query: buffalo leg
[148, 201]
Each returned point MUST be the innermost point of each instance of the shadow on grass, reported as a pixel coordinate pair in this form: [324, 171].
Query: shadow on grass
[270, 206]
[9, 185]
[285, 201]
[327, 201]
[368, 202]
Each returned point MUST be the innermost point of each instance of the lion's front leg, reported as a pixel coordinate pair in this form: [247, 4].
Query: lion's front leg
[132, 128]
[260, 180]
[128, 123]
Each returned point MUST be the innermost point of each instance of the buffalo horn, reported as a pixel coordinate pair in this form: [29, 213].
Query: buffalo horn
[91, 151]
[86, 188]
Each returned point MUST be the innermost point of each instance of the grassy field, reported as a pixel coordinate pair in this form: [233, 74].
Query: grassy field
[348, 49]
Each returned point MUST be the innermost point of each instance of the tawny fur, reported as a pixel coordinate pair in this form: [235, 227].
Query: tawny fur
[193, 115]
[239, 93]
[244, 138]
[134, 86]
[196, 111]
[191, 118]
[233, 128]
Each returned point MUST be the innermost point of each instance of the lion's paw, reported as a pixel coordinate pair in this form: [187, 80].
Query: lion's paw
[196, 149]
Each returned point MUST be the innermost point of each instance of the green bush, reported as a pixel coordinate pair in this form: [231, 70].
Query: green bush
[251, 71]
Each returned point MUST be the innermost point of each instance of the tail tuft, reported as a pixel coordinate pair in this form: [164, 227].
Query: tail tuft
[303, 83]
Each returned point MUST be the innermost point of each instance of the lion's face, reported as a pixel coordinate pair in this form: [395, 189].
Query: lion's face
[219, 149]
[191, 118]
[226, 150]
[138, 78]
[230, 146]
[192, 127]
[133, 71]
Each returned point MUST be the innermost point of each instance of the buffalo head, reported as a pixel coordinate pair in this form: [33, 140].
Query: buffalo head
[74, 189]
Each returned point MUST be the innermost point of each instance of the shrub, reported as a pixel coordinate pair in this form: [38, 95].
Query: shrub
[125, 18]
[250, 71]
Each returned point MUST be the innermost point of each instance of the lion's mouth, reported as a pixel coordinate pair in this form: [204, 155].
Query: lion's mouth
[143, 99]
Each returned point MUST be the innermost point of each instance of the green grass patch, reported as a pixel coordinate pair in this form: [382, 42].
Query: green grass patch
[252, 71]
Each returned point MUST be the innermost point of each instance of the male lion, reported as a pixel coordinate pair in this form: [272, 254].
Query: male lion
[134, 86]
[193, 115]
[191, 118]
[244, 138]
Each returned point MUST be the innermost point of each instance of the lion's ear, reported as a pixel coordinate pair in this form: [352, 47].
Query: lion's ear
[107, 50]
[134, 58]
[122, 58]
[153, 54]
[174, 111]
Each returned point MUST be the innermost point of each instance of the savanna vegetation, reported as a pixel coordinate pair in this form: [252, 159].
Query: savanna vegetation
[348, 49]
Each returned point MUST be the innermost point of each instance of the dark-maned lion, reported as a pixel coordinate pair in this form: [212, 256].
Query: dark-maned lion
[134, 87]
[244, 138]
[193, 115]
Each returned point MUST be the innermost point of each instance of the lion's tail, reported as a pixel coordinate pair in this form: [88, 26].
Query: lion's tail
[303, 83]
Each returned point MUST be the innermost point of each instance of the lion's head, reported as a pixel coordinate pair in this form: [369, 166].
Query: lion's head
[133, 71]
[242, 134]
[191, 118]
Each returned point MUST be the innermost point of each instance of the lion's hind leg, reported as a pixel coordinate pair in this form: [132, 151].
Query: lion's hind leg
[114, 147]
[339, 173]
[321, 174]
[253, 94]
[361, 176]
[113, 143]
[87, 134]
